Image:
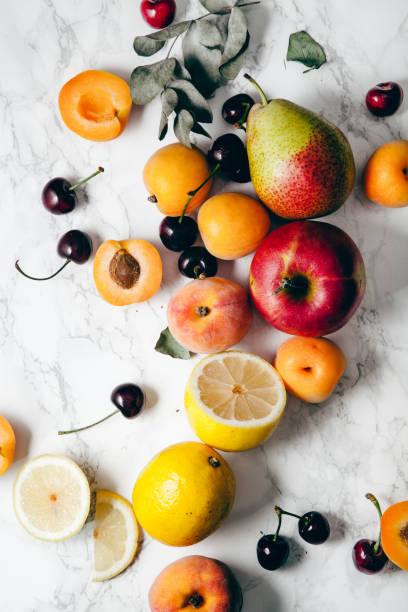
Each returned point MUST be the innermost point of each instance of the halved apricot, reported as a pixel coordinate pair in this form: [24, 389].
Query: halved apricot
[127, 271]
[95, 104]
[7, 445]
[394, 534]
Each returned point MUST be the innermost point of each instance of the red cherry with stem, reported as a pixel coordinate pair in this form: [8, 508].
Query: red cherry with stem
[75, 246]
[158, 13]
[128, 398]
[384, 99]
[58, 195]
[273, 550]
[368, 555]
[313, 527]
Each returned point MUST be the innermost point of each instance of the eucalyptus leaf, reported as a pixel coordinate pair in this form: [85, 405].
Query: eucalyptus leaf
[202, 55]
[190, 98]
[236, 44]
[217, 6]
[169, 101]
[231, 69]
[303, 48]
[151, 43]
[198, 129]
[146, 82]
[183, 125]
[181, 72]
[168, 345]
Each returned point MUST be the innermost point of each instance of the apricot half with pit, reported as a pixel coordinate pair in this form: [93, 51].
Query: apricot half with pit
[127, 271]
[394, 534]
[95, 104]
[173, 171]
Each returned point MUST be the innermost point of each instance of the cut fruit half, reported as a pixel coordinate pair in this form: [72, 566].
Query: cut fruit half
[234, 400]
[116, 535]
[51, 497]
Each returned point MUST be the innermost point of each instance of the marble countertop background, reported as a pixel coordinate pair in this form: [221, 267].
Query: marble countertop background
[63, 348]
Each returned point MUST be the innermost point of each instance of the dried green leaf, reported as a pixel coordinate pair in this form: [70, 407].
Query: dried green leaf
[198, 129]
[303, 48]
[202, 55]
[181, 72]
[146, 82]
[183, 125]
[151, 43]
[168, 345]
[217, 6]
[190, 98]
[237, 43]
[169, 101]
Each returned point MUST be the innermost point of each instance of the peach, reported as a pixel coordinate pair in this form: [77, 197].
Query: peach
[196, 582]
[171, 173]
[7, 445]
[127, 271]
[310, 367]
[232, 225]
[386, 175]
[394, 534]
[95, 105]
[209, 315]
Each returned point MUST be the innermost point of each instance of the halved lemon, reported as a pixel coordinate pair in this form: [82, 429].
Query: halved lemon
[234, 400]
[116, 535]
[51, 497]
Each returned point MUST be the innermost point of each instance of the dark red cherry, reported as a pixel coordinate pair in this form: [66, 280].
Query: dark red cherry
[58, 195]
[74, 246]
[366, 559]
[128, 398]
[178, 233]
[158, 13]
[314, 528]
[197, 262]
[235, 110]
[272, 551]
[228, 152]
[384, 99]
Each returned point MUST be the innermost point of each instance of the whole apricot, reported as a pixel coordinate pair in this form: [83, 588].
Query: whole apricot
[127, 271]
[173, 171]
[7, 445]
[232, 225]
[95, 105]
[386, 175]
[310, 367]
[209, 315]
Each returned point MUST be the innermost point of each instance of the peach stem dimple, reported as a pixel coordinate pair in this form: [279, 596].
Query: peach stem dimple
[53, 497]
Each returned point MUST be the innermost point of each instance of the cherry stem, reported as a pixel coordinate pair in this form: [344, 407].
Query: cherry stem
[240, 124]
[279, 510]
[85, 180]
[198, 275]
[258, 88]
[279, 513]
[61, 433]
[192, 193]
[45, 277]
[375, 501]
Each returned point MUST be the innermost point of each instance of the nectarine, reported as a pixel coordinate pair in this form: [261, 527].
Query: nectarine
[386, 175]
[209, 315]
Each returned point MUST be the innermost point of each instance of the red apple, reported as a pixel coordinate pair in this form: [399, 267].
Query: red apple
[307, 278]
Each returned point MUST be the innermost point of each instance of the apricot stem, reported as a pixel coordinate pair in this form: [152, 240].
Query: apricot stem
[45, 277]
[61, 433]
[194, 191]
[376, 503]
[85, 180]
[279, 512]
[258, 88]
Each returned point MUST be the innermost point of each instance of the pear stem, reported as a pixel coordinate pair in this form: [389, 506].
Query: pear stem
[61, 433]
[85, 180]
[374, 500]
[194, 191]
[258, 88]
[36, 278]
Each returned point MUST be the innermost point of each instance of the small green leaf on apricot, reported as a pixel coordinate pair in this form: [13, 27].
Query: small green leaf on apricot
[168, 345]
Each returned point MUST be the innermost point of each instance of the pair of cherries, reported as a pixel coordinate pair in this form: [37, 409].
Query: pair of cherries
[59, 197]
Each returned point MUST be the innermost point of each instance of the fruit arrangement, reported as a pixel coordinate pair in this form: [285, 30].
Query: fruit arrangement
[306, 278]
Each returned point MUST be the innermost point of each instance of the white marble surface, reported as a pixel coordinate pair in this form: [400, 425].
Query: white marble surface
[63, 349]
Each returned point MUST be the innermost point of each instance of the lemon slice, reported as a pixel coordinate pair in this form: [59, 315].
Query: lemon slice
[234, 400]
[51, 497]
[116, 535]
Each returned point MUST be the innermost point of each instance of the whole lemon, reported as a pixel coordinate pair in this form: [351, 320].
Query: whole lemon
[184, 493]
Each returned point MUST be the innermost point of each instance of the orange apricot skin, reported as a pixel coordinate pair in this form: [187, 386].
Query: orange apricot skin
[95, 105]
[150, 272]
[386, 175]
[171, 172]
[394, 534]
[7, 445]
[310, 367]
[226, 323]
[232, 225]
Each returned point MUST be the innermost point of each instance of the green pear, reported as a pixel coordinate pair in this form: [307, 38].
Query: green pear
[301, 165]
